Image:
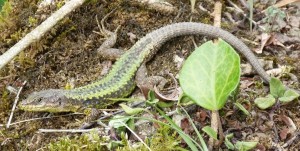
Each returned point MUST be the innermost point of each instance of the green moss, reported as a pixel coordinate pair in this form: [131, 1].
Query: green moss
[86, 142]
[24, 61]
[4, 14]
[164, 139]
[60, 4]
[4, 103]
[61, 37]
[32, 21]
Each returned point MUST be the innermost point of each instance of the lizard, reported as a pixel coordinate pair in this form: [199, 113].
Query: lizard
[120, 81]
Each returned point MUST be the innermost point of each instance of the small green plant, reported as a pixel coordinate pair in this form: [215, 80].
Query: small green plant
[118, 122]
[192, 144]
[277, 92]
[210, 74]
[239, 145]
[272, 15]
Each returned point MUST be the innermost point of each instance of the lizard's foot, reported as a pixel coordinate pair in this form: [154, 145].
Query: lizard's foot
[146, 83]
[106, 50]
[92, 114]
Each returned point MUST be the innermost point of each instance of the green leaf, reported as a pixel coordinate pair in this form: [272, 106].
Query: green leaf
[245, 146]
[288, 96]
[131, 111]
[265, 102]
[164, 104]
[209, 131]
[185, 100]
[116, 121]
[277, 89]
[2, 3]
[151, 98]
[227, 142]
[241, 107]
[210, 74]
[130, 124]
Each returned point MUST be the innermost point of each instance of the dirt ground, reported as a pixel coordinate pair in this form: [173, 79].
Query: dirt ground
[67, 54]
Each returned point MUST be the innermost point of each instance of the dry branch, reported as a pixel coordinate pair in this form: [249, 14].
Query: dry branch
[39, 31]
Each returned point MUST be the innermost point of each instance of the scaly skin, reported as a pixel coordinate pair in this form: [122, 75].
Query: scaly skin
[120, 80]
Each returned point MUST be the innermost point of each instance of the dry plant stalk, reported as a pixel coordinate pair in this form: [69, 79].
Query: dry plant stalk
[39, 31]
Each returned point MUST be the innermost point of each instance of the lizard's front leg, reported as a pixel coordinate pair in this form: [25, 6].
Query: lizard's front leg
[106, 50]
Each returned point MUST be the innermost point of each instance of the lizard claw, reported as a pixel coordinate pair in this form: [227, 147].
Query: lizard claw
[111, 37]
[103, 31]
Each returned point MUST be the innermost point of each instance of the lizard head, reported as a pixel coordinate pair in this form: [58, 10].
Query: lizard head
[52, 100]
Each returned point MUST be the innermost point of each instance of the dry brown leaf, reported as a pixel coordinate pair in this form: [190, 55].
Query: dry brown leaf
[285, 2]
[201, 116]
[283, 133]
[266, 39]
[289, 122]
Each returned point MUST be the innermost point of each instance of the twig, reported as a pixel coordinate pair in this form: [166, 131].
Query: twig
[15, 104]
[290, 141]
[67, 130]
[285, 2]
[39, 31]
[160, 6]
[215, 113]
[217, 14]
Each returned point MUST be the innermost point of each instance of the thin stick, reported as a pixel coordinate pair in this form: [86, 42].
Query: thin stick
[39, 31]
[290, 141]
[67, 130]
[15, 104]
[215, 113]
[285, 2]
[217, 14]
[163, 7]
[42, 118]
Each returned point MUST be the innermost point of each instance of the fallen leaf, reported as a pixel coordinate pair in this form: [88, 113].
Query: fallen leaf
[283, 133]
[186, 126]
[285, 2]
[289, 122]
[265, 40]
[201, 116]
